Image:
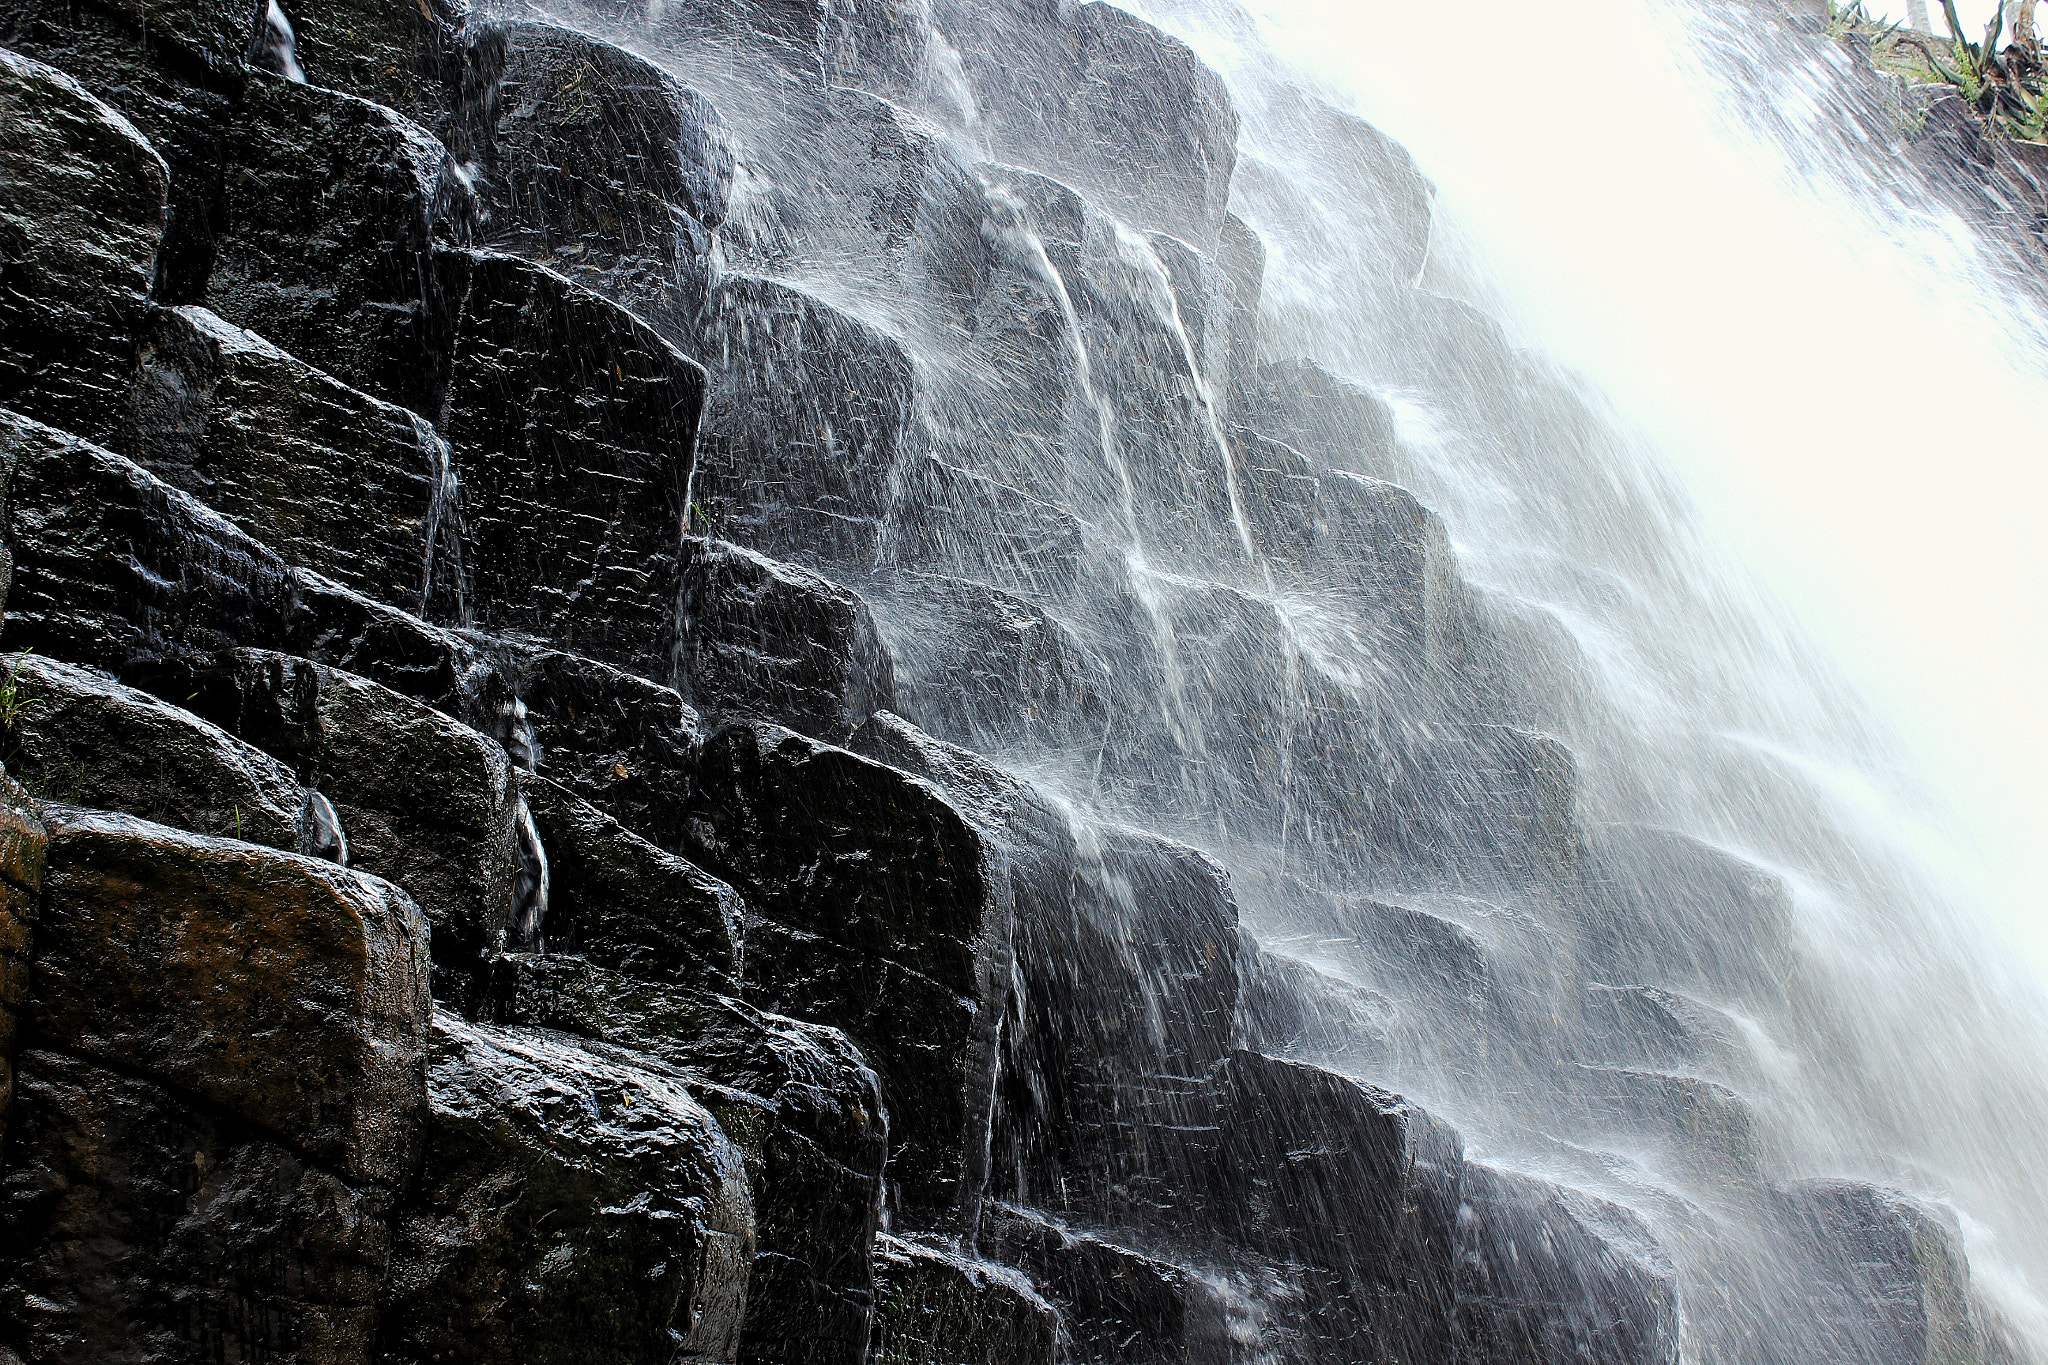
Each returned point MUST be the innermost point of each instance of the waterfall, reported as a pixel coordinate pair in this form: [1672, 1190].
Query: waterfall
[1733, 488]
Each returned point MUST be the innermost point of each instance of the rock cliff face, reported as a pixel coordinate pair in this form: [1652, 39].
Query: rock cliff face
[666, 667]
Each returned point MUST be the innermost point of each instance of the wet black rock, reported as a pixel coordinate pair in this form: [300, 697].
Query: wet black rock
[332, 479]
[1331, 420]
[78, 244]
[111, 564]
[128, 1218]
[574, 429]
[425, 801]
[1292, 1009]
[958, 521]
[84, 739]
[1118, 1307]
[407, 57]
[1548, 1274]
[1663, 1030]
[879, 910]
[801, 1105]
[1887, 1275]
[932, 1304]
[1129, 963]
[286, 991]
[620, 902]
[1662, 909]
[327, 204]
[981, 667]
[1694, 1124]
[610, 737]
[570, 1205]
[761, 639]
[113, 567]
[24, 846]
[1108, 101]
[1356, 1186]
[808, 415]
[591, 159]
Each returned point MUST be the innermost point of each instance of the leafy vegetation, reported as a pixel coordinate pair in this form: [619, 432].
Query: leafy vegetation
[2004, 85]
[15, 703]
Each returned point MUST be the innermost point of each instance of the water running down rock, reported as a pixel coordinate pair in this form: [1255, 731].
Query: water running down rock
[729, 683]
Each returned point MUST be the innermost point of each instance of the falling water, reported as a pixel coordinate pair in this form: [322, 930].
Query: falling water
[274, 47]
[441, 565]
[1540, 768]
[1748, 325]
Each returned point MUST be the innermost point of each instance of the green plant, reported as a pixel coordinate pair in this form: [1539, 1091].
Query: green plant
[14, 703]
[1844, 20]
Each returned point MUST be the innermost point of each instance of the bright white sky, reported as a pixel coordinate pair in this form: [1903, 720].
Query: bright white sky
[1975, 14]
[1867, 429]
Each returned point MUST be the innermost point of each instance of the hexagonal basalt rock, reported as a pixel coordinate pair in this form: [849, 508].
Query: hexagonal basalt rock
[571, 1205]
[332, 479]
[595, 161]
[78, 242]
[113, 565]
[1549, 1274]
[286, 991]
[425, 801]
[767, 640]
[797, 1099]
[621, 902]
[24, 844]
[879, 910]
[574, 429]
[136, 1222]
[1886, 1273]
[935, 1305]
[84, 739]
[328, 201]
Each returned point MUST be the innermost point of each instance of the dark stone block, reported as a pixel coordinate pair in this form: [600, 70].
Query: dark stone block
[935, 1305]
[1547, 1274]
[1356, 1186]
[980, 667]
[880, 911]
[1887, 1279]
[799, 1102]
[773, 641]
[1331, 420]
[407, 57]
[572, 1205]
[334, 480]
[954, 520]
[136, 1224]
[112, 565]
[809, 412]
[327, 205]
[1117, 1307]
[620, 902]
[1693, 1124]
[1659, 1030]
[607, 736]
[424, 800]
[1291, 1009]
[1662, 909]
[84, 739]
[24, 847]
[287, 991]
[594, 161]
[574, 428]
[1106, 101]
[78, 242]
